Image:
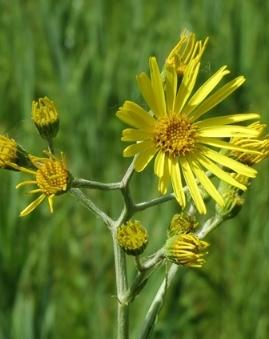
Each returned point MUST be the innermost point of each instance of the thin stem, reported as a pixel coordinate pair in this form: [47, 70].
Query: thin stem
[157, 201]
[153, 259]
[138, 264]
[84, 200]
[145, 270]
[120, 258]
[209, 226]
[122, 286]
[50, 145]
[83, 183]
[157, 303]
[129, 206]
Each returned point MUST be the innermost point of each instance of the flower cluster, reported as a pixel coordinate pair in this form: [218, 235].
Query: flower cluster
[183, 247]
[50, 174]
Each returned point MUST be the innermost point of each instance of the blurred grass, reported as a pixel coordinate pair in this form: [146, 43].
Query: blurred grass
[56, 272]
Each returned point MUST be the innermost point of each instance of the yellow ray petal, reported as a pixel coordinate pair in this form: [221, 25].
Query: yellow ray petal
[35, 191]
[206, 183]
[192, 185]
[50, 201]
[159, 164]
[227, 131]
[164, 180]
[187, 85]
[133, 149]
[218, 172]
[157, 87]
[170, 89]
[131, 134]
[20, 168]
[225, 145]
[26, 182]
[177, 183]
[135, 116]
[145, 87]
[33, 205]
[227, 119]
[230, 163]
[217, 97]
[205, 90]
[143, 158]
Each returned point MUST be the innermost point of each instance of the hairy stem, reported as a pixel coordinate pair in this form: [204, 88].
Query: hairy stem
[84, 200]
[83, 183]
[157, 303]
[122, 286]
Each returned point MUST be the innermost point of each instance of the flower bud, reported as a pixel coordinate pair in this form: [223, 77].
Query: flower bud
[186, 249]
[233, 201]
[182, 223]
[186, 50]
[132, 237]
[12, 153]
[45, 117]
[260, 144]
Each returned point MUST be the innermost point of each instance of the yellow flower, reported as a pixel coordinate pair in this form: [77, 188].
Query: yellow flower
[45, 117]
[181, 143]
[186, 249]
[51, 178]
[187, 49]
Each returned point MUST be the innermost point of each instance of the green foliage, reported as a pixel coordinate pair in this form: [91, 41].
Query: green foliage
[56, 271]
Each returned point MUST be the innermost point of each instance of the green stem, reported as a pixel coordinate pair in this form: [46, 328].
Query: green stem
[84, 200]
[122, 286]
[157, 303]
[145, 270]
[50, 145]
[83, 183]
[120, 258]
[209, 226]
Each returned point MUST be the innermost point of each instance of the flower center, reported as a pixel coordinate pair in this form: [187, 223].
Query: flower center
[175, 136]
[52, 177]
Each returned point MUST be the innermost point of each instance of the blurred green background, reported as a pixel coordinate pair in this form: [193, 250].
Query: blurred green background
[56, 271]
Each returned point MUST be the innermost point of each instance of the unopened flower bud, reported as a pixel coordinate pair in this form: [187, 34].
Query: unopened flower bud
[186, 50]
[233, 202]
[132, 237]
[45, 117]
[12, 153]
[186, 249]
[182, 223]
[258, 145]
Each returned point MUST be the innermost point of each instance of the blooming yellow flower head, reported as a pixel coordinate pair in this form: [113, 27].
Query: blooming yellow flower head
[184, 146]
[51, 178]
[187, 49]
[186, 249]
[182, 223]
[260, 143]
[45, 117]
[132, 237]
